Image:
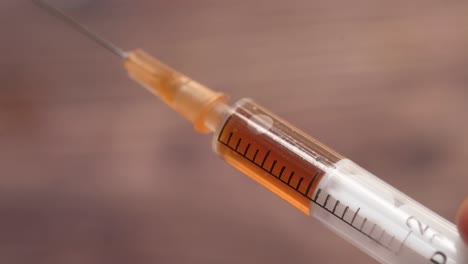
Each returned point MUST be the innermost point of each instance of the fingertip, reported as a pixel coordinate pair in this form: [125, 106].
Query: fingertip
[462, 220]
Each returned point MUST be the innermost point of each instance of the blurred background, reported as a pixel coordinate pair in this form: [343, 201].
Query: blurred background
[93, 169]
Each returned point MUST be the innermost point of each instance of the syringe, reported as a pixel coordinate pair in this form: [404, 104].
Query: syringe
[375, 217]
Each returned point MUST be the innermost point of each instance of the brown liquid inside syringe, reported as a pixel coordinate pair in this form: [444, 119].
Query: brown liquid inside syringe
[275, 154]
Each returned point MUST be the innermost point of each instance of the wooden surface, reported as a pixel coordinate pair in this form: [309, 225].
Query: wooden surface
[93, 169]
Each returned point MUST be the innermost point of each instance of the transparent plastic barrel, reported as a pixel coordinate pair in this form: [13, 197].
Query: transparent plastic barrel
[382, 221]
[355, 204]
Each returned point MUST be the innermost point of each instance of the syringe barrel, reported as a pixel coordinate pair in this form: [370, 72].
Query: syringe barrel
[355, 204]
[382, 221]
[318, 181]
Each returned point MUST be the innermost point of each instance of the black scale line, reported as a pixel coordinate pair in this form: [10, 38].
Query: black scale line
[265, 158]
[273, 166]
[246, 149]
[363, 224]
[378, 241]
[326, 201]
[344, 212]
[222, 130]
[281, 172]
[310, 183]
[229, 139]
[336, 205]
[290, 177]
[255, 155]
[372, 230]
[238, 143]
[316, 196]
[308, 188]
[299, 183]
[355, 214]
